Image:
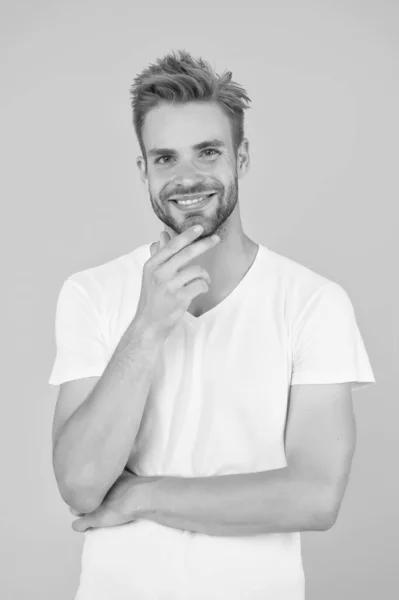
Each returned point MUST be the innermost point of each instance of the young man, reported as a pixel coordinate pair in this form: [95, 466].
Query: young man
[204, 417]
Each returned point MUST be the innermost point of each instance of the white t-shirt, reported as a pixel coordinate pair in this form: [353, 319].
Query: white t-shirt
[217, 405]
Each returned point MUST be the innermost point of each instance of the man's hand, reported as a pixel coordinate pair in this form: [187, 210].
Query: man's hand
[127, 500]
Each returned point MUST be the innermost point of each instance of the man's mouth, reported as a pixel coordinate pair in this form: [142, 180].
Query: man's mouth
[193, 199]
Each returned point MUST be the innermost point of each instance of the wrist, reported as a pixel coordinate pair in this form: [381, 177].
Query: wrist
[147, 331]
[148, 501]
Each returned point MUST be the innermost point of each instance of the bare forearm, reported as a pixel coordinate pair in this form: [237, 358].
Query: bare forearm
[245, 504]
[96, 441]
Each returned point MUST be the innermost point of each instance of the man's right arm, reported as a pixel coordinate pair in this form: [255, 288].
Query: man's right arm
[92, 447]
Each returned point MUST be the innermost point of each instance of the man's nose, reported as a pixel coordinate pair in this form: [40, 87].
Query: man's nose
[185, 170]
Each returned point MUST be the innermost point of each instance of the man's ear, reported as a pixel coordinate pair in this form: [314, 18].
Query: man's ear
[243, 160]
[140, 162]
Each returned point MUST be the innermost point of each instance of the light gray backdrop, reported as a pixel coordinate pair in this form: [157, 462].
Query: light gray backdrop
[322, 190]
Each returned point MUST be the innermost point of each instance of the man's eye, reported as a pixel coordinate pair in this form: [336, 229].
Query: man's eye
[164, 156]
[212, 150]
[158, 160]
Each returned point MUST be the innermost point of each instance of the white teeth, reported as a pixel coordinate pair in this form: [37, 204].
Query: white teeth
[192, 201]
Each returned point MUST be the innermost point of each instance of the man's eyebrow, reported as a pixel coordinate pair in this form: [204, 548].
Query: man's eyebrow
[200, 146]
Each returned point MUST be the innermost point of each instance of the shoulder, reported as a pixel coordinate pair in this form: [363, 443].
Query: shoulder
[300, 286]
[109, 281]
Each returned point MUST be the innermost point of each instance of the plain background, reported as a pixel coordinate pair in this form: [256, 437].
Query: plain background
[322, 189]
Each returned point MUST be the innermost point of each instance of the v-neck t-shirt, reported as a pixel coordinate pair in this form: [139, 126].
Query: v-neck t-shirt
[217, 405]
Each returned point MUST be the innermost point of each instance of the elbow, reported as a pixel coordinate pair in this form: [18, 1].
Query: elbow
[80, 500]
[327, 520]
[321, 512]
[333, 499]
[80, 493]
[328, 513]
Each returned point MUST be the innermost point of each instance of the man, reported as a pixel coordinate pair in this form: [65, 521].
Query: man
[204, 417]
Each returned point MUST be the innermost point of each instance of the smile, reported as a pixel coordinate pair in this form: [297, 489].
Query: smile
[197, 203]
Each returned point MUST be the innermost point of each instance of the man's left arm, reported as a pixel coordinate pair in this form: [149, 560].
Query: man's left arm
[303, 496]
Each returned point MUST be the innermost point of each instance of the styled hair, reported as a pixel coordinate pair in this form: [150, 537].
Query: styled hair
[179, 78]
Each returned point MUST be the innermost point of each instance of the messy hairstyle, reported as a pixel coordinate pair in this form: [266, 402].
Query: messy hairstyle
[179, 78]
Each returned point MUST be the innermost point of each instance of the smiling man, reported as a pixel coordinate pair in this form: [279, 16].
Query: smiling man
[192, 181]
[205, 416]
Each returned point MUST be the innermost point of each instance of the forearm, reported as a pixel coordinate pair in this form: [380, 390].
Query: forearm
[95, 442]
[272, 501]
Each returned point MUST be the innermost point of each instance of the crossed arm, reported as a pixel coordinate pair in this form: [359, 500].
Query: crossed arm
[304, 496]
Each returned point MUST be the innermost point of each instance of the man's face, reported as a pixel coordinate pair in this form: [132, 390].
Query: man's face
[176, 167]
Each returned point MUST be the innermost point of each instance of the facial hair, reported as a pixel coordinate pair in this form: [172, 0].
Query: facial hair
[213, 222]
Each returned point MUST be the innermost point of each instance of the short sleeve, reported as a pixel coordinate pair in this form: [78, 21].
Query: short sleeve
[327, 344]
[81, 349]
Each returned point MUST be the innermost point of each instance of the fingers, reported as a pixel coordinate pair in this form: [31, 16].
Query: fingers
[156, 246]
[175, 245]
[81, 525]
[164, 239]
